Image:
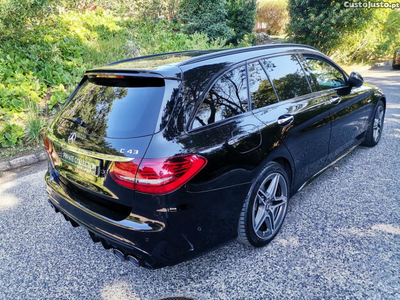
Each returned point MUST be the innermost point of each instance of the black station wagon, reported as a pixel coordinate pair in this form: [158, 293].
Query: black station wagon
[166, 156]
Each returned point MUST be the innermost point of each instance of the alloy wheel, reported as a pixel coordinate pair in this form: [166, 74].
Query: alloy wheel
[378, 124]
[270, 206]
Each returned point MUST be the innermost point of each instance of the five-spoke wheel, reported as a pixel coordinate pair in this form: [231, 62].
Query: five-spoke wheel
[378, 124]
[270, 205]
[265, 207]
[374, 132]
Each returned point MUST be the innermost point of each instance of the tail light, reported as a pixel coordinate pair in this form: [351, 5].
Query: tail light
[157, 176]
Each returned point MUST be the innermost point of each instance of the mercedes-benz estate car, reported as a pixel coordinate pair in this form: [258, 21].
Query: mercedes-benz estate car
[164, 157]
[396, 59]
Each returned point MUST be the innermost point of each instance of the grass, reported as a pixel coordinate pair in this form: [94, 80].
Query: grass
[101, 52]
[18, 150]
[278, 39]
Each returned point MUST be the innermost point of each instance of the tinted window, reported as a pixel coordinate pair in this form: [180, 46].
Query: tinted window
[114, 111]
[326, 76]
[227, 98]
[287, 76]
[261, 91]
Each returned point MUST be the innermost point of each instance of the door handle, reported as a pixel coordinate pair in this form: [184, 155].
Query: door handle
[234, 141]
[334, 100]
[285, 120]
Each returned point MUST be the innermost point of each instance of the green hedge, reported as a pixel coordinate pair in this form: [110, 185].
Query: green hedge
[40, 67]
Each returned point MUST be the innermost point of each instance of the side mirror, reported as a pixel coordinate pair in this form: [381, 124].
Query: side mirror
[355, 80]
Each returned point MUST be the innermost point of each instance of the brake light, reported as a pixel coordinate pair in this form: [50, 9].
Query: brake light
[157, 176]
[47, 145]
[108, 76]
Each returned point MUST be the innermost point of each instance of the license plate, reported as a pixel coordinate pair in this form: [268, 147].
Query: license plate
[84, 163]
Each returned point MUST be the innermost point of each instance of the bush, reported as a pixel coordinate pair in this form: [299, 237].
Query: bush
[376, 40]
[274, 14]
[137, 9]
[11, 135]
[157, 37]
[390, 35]
[205, 16]
[16, 15]
[241, 16]
[324, 24]
[52, 51]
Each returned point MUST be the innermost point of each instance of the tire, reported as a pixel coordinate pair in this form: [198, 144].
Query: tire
[265, 207]
[396, 67]
[375, 128]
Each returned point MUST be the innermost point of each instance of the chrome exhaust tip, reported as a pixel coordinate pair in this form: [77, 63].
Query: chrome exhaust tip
[133, 260]
[118, 254]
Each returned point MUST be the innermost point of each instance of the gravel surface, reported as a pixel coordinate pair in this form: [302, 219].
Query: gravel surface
[341, 239]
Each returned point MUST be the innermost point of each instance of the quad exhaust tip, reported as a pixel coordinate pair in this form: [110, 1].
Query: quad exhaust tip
[133, 260]
[118, 253]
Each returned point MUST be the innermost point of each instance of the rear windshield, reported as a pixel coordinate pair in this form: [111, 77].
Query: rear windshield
[115, 108]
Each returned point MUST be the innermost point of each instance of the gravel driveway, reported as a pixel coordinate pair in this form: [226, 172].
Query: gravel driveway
[341, 239]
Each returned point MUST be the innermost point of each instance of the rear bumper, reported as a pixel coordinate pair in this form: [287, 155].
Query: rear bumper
[208, 221]
[133, 239]
[189, 222]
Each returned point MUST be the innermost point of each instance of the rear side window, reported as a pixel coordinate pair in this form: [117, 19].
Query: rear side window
[227, 98]
[325, 75]
[261, 91]
[287, 76]
[112, 108]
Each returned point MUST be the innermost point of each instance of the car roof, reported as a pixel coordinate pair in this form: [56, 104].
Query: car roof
[172, 64]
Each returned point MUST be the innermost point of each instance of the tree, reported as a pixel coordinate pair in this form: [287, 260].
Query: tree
[274, 14]
[241, 15]
[324, 23]
[207, 16]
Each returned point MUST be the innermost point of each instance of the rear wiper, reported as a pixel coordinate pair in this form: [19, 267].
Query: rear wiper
[76, 121]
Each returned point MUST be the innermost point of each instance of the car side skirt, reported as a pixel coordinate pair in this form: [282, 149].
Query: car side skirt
[327, 167]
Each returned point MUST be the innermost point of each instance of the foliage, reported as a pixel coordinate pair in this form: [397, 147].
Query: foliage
[34, 129]
[274, 14]
[360, 46]
[58, 97]
[15, 15]
[324, 24]
[11, 151]
[241, 16]
[135, 9]
[154, 9]
[42, 60]
[376, 40]
[157, 37]
[247, 41]
[205, 16]
[11, 135]
[390, 34]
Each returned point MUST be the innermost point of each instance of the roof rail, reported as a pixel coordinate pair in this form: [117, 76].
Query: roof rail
[240, 50]
[149, 56]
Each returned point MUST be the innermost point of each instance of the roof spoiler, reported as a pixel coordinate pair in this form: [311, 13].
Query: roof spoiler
[131, 73]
